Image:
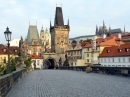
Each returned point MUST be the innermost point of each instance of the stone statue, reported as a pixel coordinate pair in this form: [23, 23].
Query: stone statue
[60, 62]
[66, 63]
[21, 54]
[34, 64]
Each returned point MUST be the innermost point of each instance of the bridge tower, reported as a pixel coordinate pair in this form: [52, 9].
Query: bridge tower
[59, 33]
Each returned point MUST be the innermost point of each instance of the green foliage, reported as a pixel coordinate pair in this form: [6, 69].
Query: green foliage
[73, 41]
[27, 62]
[2, 69]
[13, 62]
[88, 40]
[81, 40]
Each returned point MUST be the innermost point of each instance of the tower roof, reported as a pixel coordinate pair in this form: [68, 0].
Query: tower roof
[59, 17]
[32, 34]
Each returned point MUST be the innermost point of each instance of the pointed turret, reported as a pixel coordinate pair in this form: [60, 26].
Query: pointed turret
[103, 28]
[50, 23]
[59, 17]
[42, 30]
[124, 30]
[103, 23]
[109, 31]
[96, 30]
[32, 34]
[68, 22]
[46, 30]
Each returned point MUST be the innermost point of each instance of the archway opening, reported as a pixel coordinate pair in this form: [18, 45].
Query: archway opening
[49, 64]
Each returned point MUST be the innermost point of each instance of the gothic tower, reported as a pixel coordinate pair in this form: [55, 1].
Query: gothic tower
[59, 33]
[42, 35]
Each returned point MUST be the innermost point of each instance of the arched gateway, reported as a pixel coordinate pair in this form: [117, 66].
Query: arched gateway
[49, 63]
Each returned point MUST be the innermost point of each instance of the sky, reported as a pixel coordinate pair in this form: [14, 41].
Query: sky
[83, 15]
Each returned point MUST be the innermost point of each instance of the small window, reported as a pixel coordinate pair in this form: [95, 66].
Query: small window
[108, 59]
[123, 59]
[129, 59]
[88, 49]
[126, 49]
[108, 51]
[4, 50]
[37, 62]
[104, 60]
[15, 50]
[119, 50]
[113, 59]
[87, 55]
[119, 60]
[87, 60]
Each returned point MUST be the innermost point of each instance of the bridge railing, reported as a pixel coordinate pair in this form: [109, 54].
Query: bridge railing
[9, 80]
[101, 69]
[79, 68]
[112, 70]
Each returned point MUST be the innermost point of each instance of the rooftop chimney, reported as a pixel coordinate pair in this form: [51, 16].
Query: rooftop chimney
[104, 36]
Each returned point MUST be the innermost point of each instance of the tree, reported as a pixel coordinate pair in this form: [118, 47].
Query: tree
[2, 69]
[27, 62]
[13, 62]
[73, 41]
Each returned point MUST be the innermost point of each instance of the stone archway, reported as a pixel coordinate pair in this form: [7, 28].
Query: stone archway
[49, 63]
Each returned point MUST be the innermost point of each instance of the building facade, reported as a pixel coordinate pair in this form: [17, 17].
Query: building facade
[74, 53]
[14, 42]
[115, 56]
[37, 61]
[91, 54]
[14, 50]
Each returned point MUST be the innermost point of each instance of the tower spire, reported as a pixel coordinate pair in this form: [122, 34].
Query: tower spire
[124, 30]
[68, 21]
[42, 30]
[96, 30]
[103, 27]
[109, 30]
[50, 22]
[59, 17]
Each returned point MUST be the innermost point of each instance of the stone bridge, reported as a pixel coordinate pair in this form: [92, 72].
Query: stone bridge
[68, 83]
[51, 60]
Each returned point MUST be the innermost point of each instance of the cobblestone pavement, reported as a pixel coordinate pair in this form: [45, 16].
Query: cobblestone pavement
[67, 83]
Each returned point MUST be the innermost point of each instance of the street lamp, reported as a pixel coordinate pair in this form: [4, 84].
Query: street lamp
[8, 38]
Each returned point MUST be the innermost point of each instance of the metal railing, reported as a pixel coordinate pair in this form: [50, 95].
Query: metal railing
[9, 80]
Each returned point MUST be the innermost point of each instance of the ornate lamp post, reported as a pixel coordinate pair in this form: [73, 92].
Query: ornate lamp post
[8, 38]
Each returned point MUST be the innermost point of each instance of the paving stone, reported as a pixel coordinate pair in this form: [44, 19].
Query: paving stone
[67, 83]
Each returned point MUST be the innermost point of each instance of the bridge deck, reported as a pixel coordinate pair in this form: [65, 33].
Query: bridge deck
[67, 83]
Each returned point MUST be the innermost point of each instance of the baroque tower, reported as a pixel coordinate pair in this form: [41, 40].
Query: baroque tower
[59, 33]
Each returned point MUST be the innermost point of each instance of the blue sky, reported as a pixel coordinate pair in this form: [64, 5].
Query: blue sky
[83, 15]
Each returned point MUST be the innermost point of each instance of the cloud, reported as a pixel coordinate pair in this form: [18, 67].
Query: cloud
[83, 15]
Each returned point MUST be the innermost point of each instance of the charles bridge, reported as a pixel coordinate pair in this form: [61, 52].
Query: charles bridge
[63, 82]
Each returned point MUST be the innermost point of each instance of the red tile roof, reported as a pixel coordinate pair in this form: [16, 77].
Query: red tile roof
[4, 49]
[81, 43]
[116, 51]
[108, 41]
[34, 56]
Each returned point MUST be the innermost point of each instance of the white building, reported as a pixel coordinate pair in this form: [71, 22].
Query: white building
[85, 37]
[14, 42]
[36, 61]
[116, 56]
